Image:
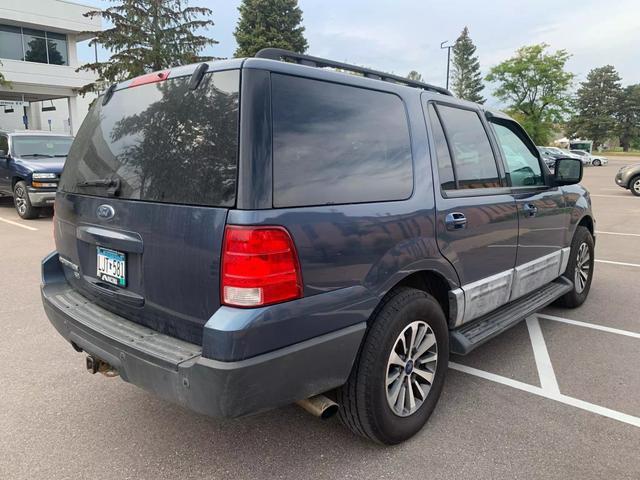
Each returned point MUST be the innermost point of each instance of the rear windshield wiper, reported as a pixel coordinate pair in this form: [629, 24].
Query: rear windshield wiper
[60, 155]
[36, 155]
[111, 184]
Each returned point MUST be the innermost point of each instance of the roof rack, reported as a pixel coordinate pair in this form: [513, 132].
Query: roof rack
[281, 54]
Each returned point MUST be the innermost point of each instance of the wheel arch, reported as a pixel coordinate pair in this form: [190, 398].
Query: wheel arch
[15, 179]
[587, 221]
[430, 281]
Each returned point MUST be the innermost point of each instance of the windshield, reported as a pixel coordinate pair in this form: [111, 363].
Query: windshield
[161, 142]
[40, 146]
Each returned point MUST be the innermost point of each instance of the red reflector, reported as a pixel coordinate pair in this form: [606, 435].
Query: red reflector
[150, 78]
[259, 267]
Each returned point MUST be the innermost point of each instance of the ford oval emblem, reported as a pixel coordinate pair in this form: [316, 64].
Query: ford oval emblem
[105, 212]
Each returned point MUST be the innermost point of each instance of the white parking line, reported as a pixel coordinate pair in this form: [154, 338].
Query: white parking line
[625, 264]
[593, 326]
[558, 397]
[11, 222]
[549, 384]
[613, 196]
[599, 232]
[546, 374]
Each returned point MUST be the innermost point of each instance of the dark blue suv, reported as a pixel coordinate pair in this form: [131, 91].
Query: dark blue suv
[243, 234]
[30, 167]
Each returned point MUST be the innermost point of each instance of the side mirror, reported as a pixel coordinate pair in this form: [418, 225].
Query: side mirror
[568, 171]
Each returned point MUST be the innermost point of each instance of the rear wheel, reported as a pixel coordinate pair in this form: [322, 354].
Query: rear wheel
[22, 202]
[634, 185]
[579, 268]
[399, 373]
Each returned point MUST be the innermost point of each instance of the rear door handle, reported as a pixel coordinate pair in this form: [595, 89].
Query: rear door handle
[530, 210]
[455, 221]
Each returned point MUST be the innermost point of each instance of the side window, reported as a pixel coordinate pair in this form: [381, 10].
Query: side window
[473, 160]
[338, 144]
[445, 166]
[4, 144]
[522, 165]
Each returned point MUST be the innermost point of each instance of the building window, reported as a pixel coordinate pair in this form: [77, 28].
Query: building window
[17, 43]
[11, 42]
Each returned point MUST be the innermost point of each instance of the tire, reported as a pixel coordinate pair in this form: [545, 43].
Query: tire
[22, 202]
[597, 163]
[365, 400]
[634, 185]
[581, 245]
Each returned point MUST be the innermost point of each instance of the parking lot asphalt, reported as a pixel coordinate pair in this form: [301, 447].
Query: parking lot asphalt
[557, 396]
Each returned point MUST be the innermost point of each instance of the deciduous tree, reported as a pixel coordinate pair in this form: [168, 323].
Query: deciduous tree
[269, 23]
[3, 81]
[535, 85]
[413, 75]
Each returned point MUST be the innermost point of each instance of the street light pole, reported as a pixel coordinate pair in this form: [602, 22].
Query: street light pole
[448, 47]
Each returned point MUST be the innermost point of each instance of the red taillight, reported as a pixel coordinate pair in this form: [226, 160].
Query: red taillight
[259, 267]
[150, 78]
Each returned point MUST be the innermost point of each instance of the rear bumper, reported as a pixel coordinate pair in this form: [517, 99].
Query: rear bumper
[176, 370]
[40, 198]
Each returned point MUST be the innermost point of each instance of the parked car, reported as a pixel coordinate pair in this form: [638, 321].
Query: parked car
[556, 153]
[585, 156]
[30, 167]
[629, 177]
[240, 235]
[549, 160]
[598, 160]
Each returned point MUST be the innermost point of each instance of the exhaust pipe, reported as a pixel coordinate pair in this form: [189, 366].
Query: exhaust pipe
[95, 365]
[319, 406]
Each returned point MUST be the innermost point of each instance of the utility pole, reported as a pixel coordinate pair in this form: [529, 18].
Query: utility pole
[448, 47]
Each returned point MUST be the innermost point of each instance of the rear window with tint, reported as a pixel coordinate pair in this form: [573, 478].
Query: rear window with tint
[162, 142]
[337, 144]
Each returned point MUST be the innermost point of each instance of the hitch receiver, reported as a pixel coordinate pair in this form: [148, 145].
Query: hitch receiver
[95, 365]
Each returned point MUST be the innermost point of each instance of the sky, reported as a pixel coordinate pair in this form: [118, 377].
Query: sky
[402, 35]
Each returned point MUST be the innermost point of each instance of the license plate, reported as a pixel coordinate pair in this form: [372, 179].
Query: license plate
[112, 267]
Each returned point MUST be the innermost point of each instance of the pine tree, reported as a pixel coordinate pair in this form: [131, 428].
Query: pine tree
[147, 35]
[628, 116]
[596, 105]
[466, 77]
[269, 23]
[413, 75]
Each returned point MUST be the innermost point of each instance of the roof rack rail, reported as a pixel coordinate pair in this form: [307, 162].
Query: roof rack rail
[301, 59]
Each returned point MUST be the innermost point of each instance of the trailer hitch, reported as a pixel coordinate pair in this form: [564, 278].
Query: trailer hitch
[95, 365]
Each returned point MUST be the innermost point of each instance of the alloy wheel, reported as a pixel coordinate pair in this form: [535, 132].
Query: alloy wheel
[583, 268]
[636, 186]
[411, 368]
[20, 200]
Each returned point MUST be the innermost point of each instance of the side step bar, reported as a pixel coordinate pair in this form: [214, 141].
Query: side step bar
[473, 334]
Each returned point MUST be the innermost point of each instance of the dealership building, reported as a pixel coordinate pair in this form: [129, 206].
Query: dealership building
[38, 52]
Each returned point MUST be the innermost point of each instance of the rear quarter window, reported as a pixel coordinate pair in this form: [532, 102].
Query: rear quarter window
[336, 144]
